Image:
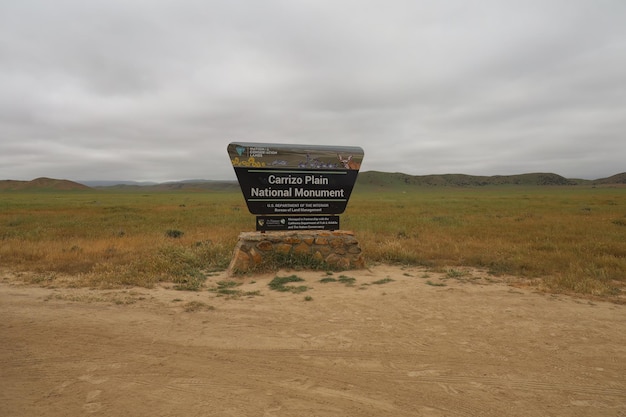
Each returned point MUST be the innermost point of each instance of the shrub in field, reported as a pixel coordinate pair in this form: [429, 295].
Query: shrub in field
[173, 233]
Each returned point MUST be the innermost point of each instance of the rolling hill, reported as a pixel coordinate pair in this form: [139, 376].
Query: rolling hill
[42, 184]
[615, 179]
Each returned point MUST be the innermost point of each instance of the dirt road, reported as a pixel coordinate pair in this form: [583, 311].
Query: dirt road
[414, 344]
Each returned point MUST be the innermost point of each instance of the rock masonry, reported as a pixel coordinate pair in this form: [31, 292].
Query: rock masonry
[338, 249]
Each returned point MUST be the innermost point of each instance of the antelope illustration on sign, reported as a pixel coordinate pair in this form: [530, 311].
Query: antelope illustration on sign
[348, 163]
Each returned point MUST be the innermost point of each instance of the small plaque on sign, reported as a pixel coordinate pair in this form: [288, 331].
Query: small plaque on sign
[264, 223]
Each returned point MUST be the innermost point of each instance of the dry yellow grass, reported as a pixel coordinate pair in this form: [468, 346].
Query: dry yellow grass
[570, 238]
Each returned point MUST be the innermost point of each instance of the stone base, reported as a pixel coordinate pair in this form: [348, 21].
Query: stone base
[337, 250]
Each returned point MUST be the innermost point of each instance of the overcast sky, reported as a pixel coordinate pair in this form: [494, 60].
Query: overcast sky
[155, 89]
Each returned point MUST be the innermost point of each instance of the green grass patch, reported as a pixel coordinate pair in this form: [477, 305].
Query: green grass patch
[346, 280]
[229, 289]
[280, 284]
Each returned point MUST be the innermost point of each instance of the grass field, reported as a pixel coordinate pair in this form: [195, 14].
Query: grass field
[569, 239]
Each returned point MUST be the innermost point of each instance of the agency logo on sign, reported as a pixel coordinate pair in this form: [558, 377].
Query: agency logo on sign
[278, 179]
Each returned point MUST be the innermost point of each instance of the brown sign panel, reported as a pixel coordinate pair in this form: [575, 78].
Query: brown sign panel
[278, 179]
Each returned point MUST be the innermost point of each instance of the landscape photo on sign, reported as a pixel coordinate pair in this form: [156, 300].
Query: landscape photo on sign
[267, 155]
[280, 179]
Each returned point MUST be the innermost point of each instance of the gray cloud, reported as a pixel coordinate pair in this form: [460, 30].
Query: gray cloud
[155, 90]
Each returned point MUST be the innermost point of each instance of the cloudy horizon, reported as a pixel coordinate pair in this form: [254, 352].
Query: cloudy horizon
[155, 90]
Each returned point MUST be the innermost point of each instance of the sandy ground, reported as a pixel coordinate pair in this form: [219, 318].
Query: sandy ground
[474, 347]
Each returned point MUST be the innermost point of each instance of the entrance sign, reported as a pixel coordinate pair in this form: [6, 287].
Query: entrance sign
[295, 180]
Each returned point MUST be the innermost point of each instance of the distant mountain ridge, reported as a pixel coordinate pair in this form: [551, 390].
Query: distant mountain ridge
[374, 179]
[386, 179]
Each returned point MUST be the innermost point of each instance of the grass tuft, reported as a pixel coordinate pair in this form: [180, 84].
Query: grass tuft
[173, 233]
[454, 273]
[349, 281]
[190, 283]
[382, 281]
[228, 288]
[194, 306]
[279, 284]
